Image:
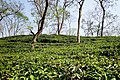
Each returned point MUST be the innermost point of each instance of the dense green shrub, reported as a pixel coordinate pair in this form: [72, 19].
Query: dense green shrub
[60, 58]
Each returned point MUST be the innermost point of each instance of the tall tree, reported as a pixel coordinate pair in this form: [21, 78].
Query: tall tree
[41, 9]
[81, 2]
[8, 8]
[110, 24]
[12, 16]
[104, 4]
[15, 23]
[19, 23]
[92, 20]
[103, 16]
[87, 23]
[60, 12]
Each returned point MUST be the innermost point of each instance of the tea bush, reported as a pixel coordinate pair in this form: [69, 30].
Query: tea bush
[60, 58]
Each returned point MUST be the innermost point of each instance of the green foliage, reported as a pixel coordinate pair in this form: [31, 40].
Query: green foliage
[29, 27]
[21, 15]
[60, 58]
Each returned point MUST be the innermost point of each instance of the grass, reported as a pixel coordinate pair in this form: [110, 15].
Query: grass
[60, 58]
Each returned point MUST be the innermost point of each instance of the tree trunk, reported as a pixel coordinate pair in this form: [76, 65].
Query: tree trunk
[2, 34]
[40, 25]
[102, 27]
[58, 18]
[35, 37]
[34, 41]
[14, 31]
[103, 17]
[61, 26]
[58, 26]
[78, 30]
[9, 32]
[98, 32]
[98, 29]
[79, 19]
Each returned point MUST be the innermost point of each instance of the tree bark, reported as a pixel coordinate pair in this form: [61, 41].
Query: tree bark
[61, 26]
[63, 16]
[103, 17]
[79, 19]
[98, 29]
[78, 30]
[2, 34]
[40, 25]
[58, 26]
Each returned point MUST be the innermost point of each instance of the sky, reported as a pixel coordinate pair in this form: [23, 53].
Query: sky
[88, 5]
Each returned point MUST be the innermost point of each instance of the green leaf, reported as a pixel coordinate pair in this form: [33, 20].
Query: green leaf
[113, 79]
[32, 77]
[21, 15]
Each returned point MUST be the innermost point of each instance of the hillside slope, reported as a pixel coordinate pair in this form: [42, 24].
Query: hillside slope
[60, 58]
